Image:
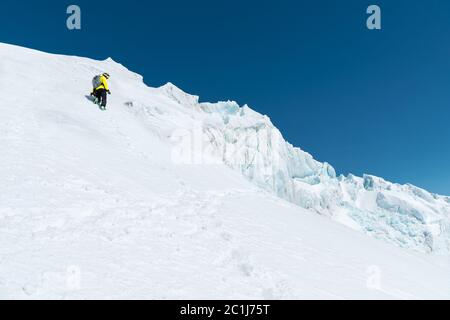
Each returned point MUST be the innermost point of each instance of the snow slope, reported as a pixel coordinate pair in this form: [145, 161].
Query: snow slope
[142, 201]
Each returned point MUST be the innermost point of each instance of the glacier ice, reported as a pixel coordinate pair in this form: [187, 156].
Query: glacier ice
[247, 141]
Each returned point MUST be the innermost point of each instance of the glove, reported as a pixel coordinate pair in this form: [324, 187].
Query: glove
[109, 92]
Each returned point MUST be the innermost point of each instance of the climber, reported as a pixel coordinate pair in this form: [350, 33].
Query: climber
[100, 90]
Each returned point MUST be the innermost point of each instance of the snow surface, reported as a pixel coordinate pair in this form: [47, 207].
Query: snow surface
[149, 200]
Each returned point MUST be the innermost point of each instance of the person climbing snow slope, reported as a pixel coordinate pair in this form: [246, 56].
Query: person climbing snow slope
[101, 89]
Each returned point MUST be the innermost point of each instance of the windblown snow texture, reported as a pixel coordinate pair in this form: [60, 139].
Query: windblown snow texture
[166, 197]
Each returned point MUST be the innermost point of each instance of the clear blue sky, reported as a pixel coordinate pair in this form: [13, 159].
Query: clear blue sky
[374, 102]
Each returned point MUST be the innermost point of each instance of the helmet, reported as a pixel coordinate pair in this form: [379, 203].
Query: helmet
[106, 75]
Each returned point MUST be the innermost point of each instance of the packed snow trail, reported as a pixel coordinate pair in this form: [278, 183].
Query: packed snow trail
[95, 205]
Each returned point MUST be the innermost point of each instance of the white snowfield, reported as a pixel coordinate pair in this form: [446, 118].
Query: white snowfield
[148, 201]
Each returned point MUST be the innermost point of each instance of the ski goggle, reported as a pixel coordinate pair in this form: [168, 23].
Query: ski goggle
[106, 75]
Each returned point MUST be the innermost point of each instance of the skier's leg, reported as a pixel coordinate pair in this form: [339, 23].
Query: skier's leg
[103, 97]
[97, 96]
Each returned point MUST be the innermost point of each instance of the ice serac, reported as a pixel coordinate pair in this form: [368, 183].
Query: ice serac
[247, 141]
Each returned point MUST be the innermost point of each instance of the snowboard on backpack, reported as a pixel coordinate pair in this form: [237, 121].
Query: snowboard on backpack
[96, 82]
